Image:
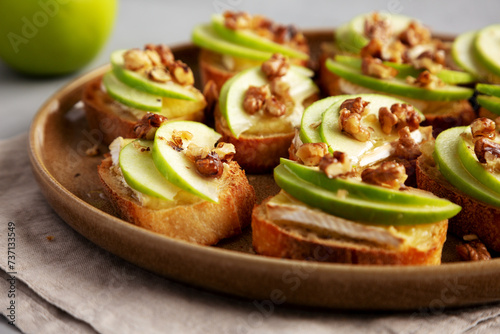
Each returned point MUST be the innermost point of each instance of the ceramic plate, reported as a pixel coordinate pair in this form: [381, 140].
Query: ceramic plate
[59, 138]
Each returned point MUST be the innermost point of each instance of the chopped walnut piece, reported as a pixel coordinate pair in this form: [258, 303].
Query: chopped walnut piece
[285, 33]
[225, 151]
[377, 27]
[473, 251]
[387, 120]
[431, 61]
[274, 107]
[407, 116]
[163, 51]
[154, 57]
[178, 138]
[281, 89]
[398, 117]
[181, 73]
[483, 127]
[310, 154]
[335, 164]
[260, 22]
[195, 152]
[254, 98]
[93, 151]
[237, 20]
[276, 66]
[356, 105]
[389, 174]
[350, 123]
[147, 126]
[406, 147]
[211, 165]
[488, 152]
[372, 49]
[159, 74]
[375, 68]
[426, 80]
[135, 60]
[415, 34]
[395, 52]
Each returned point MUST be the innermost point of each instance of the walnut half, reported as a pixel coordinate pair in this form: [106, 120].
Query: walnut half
[389, 174]
[375, 68]
[473, 251]
[483, 127]
[310, 154]
[147, 126]
[487, 151]
[335, 164]
[399, 116]
[276, 66]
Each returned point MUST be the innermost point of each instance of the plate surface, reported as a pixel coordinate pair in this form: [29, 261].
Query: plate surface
[59, 138]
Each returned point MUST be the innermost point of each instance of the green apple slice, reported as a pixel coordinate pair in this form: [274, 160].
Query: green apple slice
[176, 167]
[344, 39]
[487, 48]
[405, 70]
[139, 81]
[450, 165]
[140, 173]
[492, 103]
[493, 90]
[398, 24]
[129, 96]
[252, 40]
[353, 208]
[361, 153]
[361, 189]
[465, 56]
[472, 164]
[233, 93]
[398, 86]
[204, 36]
[311, 118]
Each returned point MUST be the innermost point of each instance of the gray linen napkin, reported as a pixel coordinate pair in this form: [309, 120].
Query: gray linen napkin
[65, 284]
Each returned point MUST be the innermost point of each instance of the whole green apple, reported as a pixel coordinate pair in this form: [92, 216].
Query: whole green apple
[51, 37]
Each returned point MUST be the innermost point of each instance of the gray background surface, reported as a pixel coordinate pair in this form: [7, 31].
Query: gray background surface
[170, 22]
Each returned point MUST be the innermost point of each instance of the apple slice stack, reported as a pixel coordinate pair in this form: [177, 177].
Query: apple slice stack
[348, 197]
[136, 89]
[244, 42]
[156, 168]
[490, 97]
[477, 53]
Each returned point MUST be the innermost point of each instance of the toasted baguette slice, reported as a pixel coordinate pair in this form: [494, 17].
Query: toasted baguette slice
[113, 119]
[214, 67]
[258, 154]
[201, 222]
[476, 217]
[279, 240]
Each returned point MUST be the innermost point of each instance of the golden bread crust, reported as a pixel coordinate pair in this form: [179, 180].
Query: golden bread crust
[110, 118]
[203, 222]
[475, 217]
[272, 240]
[255, 154]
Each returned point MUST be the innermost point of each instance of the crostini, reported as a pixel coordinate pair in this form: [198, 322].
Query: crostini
[141, 81]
